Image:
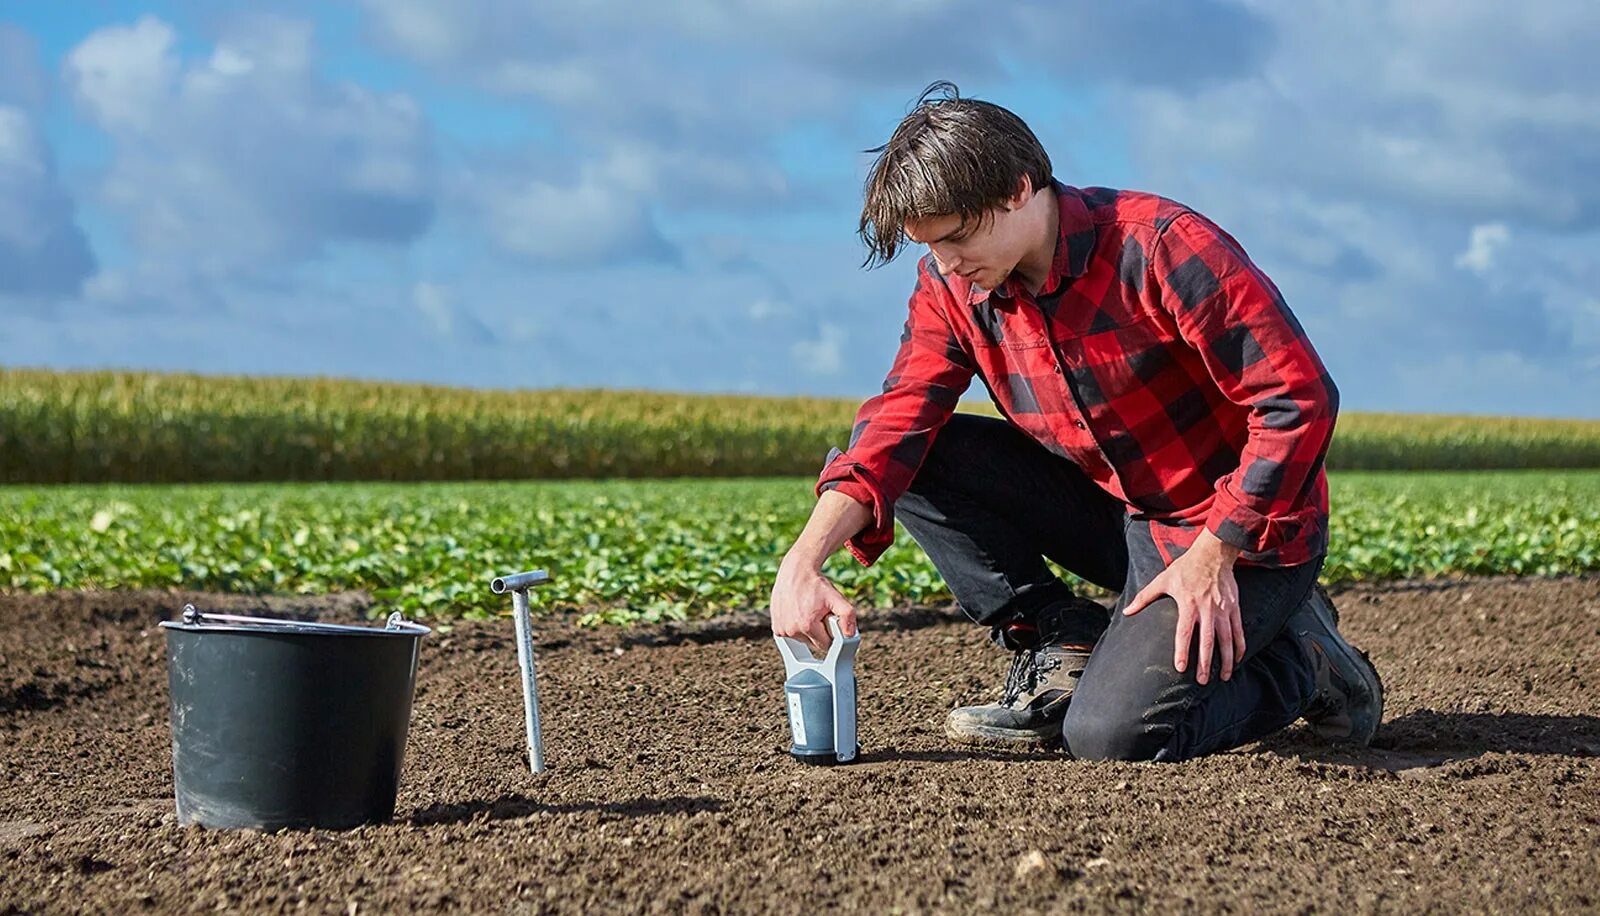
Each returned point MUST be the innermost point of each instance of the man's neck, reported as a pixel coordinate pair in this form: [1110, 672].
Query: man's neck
[1034, 268]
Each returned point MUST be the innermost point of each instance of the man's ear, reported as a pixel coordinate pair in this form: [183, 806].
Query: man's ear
[1022, 195]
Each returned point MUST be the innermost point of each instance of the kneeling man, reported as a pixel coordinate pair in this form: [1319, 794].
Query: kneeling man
[1164, 426]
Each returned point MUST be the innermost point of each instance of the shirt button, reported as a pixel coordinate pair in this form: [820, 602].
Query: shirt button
[1080, 424]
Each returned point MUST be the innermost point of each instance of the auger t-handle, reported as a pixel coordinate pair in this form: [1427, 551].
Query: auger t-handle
[838, 667]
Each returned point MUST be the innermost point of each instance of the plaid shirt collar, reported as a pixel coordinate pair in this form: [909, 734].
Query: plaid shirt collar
[1074, 244]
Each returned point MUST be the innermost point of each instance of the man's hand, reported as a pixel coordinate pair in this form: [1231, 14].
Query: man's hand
[802, 599]
[1201, 582]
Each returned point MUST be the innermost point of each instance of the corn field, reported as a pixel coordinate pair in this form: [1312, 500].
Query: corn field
[134, 427]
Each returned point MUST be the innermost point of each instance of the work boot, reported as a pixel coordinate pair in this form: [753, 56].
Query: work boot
[1348, 703]
[1034, 698]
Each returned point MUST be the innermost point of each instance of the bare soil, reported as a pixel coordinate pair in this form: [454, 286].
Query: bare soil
[670, 788]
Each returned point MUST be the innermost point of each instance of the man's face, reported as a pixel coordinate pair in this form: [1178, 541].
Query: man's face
[984, 251]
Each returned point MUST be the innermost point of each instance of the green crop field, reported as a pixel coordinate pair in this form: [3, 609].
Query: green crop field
[129, 427]
[632, 550]
[620, 549]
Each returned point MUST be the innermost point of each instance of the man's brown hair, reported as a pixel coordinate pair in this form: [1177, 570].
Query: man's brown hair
[949, 156]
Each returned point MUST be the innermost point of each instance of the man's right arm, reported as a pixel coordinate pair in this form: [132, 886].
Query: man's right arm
[857, 490]
[801, 589]
[834, 520]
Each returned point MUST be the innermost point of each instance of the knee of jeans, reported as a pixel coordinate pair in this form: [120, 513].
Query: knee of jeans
[1102, 737]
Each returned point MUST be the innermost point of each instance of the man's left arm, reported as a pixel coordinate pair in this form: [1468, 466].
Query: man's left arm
[1259, 357]
[1258, 354]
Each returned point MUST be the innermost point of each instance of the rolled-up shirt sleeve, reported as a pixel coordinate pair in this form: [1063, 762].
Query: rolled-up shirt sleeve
[894, 430]
[1258, 354]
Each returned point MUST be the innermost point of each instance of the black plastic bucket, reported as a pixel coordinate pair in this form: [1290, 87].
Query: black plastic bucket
[283, 723]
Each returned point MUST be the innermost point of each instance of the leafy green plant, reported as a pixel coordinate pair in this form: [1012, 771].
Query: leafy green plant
[623, 551]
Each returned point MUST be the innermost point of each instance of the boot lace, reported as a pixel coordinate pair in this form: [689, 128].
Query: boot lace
[1029, 667]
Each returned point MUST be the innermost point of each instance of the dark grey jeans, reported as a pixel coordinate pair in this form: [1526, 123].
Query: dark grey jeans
[989, 504]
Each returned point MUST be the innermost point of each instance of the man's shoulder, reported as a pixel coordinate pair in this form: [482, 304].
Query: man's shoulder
[1136, 211]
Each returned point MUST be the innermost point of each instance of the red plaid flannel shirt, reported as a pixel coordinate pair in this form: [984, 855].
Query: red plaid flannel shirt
[1156, 356]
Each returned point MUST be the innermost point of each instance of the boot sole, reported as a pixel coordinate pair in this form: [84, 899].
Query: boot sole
[1359, 661]
[993, 735]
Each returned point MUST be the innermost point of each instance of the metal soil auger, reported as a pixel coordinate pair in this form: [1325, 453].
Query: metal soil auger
[821, 695]
[518, 586]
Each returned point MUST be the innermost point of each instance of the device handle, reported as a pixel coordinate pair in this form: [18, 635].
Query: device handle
[797, 653]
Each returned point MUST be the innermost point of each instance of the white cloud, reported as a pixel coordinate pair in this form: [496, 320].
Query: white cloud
[763, 309]
[246, 160]
[123, 75]
[448, 320]
[671, 112]
[824, 355]
[230, 62]
[1353, 169]
[1486, 241]
[687, 102]
[591, 220]
[1462, 109]
[43, 253]
[433, 301]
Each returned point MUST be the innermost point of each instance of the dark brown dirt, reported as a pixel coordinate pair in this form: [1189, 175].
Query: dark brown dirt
[670, 789]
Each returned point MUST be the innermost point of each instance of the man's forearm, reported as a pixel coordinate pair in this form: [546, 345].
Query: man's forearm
[835, 518]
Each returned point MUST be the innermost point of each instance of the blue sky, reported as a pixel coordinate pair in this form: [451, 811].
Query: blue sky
[565, 194]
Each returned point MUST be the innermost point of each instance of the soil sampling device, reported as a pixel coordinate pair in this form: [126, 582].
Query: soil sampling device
[821, 696]
[286, 723]
[518, 586]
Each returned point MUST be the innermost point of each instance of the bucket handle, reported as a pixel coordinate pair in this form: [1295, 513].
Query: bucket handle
[395, 623]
